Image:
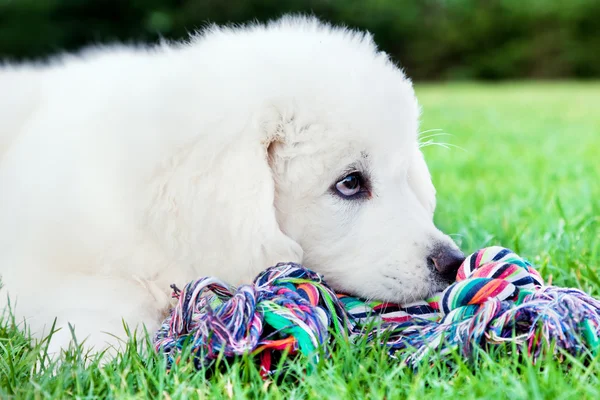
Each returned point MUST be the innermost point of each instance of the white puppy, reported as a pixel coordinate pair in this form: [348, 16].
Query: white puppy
[124, 170]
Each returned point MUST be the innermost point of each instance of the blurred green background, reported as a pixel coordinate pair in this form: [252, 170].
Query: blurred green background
[431, 39]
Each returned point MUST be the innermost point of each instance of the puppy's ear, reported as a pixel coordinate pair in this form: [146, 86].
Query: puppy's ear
[420, 182]
[213, 205]
[273, 132]
[275, 246]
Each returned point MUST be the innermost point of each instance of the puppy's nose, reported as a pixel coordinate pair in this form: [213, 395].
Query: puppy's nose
[446, 261]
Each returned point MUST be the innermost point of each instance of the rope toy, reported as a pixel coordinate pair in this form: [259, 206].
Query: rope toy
[498, 297]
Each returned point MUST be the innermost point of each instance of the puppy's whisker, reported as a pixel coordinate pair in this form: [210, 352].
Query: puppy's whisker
[432, 143]
[447, 146]
[430, 130]
[434, 135]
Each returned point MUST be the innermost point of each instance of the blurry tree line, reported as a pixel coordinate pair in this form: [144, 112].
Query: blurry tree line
[431, 39]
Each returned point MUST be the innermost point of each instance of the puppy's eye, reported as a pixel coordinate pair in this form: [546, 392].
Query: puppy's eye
[350, 185]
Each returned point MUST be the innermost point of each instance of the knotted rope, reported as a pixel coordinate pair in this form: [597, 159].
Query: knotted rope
[498, 297]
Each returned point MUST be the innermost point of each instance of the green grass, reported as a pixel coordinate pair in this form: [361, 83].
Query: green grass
[526, 176]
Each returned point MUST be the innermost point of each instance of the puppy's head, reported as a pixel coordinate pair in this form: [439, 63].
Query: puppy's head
[351, 185]
[361, 208]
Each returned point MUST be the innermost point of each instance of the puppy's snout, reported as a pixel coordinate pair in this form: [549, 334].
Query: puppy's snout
[446, 260]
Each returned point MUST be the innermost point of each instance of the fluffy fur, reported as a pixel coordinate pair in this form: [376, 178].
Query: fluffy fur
[123, 170]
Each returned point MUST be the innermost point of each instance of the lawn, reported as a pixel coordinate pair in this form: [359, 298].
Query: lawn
[522, 170]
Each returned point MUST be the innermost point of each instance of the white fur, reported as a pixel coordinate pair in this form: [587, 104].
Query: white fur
[124, 170]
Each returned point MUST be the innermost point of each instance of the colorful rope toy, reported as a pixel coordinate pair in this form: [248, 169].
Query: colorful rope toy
[497, 297]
